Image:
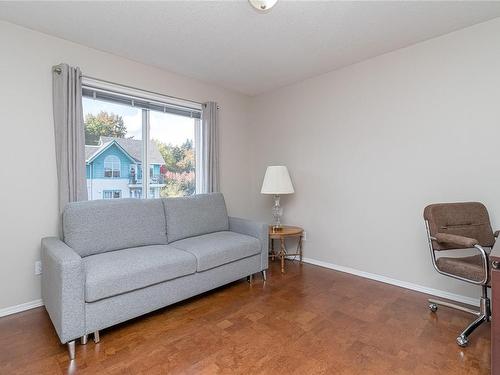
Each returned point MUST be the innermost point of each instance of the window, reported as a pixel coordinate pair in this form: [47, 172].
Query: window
[111, 194]
[128, 129]
[112, 166]
[113, 148]
[174, 137]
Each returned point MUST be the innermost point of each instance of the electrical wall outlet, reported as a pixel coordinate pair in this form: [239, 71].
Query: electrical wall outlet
[304, 236]
[38, 267]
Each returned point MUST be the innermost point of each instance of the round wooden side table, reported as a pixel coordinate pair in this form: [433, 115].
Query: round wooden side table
[282, 234]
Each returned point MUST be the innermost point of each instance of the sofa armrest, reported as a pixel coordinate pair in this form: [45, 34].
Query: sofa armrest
[254, 229]
[63, 288]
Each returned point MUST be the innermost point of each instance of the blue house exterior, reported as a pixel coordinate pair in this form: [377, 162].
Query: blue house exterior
[114, 169]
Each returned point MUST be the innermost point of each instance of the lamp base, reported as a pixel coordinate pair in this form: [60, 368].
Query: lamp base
[277, 213]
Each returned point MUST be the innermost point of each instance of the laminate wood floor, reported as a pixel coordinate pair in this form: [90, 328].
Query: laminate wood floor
[309, 321]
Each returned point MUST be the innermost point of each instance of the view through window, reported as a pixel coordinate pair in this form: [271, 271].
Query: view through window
[114, 147]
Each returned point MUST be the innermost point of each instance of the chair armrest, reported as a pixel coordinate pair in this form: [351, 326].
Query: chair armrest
[253, 229]
[497, 232]
[63, 286]
[453, 239]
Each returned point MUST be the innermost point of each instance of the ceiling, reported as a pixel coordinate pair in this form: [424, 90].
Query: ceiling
[229, 44]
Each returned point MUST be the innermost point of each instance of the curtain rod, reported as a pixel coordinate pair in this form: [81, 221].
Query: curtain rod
[57, 69]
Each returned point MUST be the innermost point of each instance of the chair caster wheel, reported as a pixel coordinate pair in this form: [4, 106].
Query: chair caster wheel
[433, 307]
[462, 341]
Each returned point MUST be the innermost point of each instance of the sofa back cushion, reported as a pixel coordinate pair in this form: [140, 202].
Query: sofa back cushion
[195, 215]
[99, 226]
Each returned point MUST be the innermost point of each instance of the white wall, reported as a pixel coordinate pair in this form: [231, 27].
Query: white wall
[28, 184]
[368, 146]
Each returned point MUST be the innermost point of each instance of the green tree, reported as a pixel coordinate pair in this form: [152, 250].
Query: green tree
[177, 159]
[167, 154]
[103, 124]
[178, 169]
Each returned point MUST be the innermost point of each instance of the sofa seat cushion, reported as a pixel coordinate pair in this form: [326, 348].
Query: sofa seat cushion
[116, 272]
[214, 249]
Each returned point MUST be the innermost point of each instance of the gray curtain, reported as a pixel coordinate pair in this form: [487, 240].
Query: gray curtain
[209, 148]
[69, 134]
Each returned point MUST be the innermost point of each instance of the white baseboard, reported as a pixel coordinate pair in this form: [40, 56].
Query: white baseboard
[19, 308]
[402, 284]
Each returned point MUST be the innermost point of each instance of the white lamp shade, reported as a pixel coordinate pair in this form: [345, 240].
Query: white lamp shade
[277, 181]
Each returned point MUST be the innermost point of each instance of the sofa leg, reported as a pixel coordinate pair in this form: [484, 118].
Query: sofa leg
[84, 339]
[264, 275]
[250, 278]
[96, 337]
[71, 350]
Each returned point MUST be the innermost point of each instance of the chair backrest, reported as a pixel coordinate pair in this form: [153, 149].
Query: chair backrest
[468, 219]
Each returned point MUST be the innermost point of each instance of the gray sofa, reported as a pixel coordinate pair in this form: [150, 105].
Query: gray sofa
[123, 258]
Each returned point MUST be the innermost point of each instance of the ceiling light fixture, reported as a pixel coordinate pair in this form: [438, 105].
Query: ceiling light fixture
[263, 5]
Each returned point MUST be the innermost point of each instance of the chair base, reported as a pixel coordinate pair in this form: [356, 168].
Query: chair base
[482, 316]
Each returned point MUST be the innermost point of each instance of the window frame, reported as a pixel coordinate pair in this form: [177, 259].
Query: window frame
[116, 166]
[147, 101]
[111, 192]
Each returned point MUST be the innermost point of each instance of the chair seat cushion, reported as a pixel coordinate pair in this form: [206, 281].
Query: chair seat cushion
[469, 267]
[116, 272]
[215, 249]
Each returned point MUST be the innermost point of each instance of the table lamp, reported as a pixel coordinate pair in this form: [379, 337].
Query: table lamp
[276, 182]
